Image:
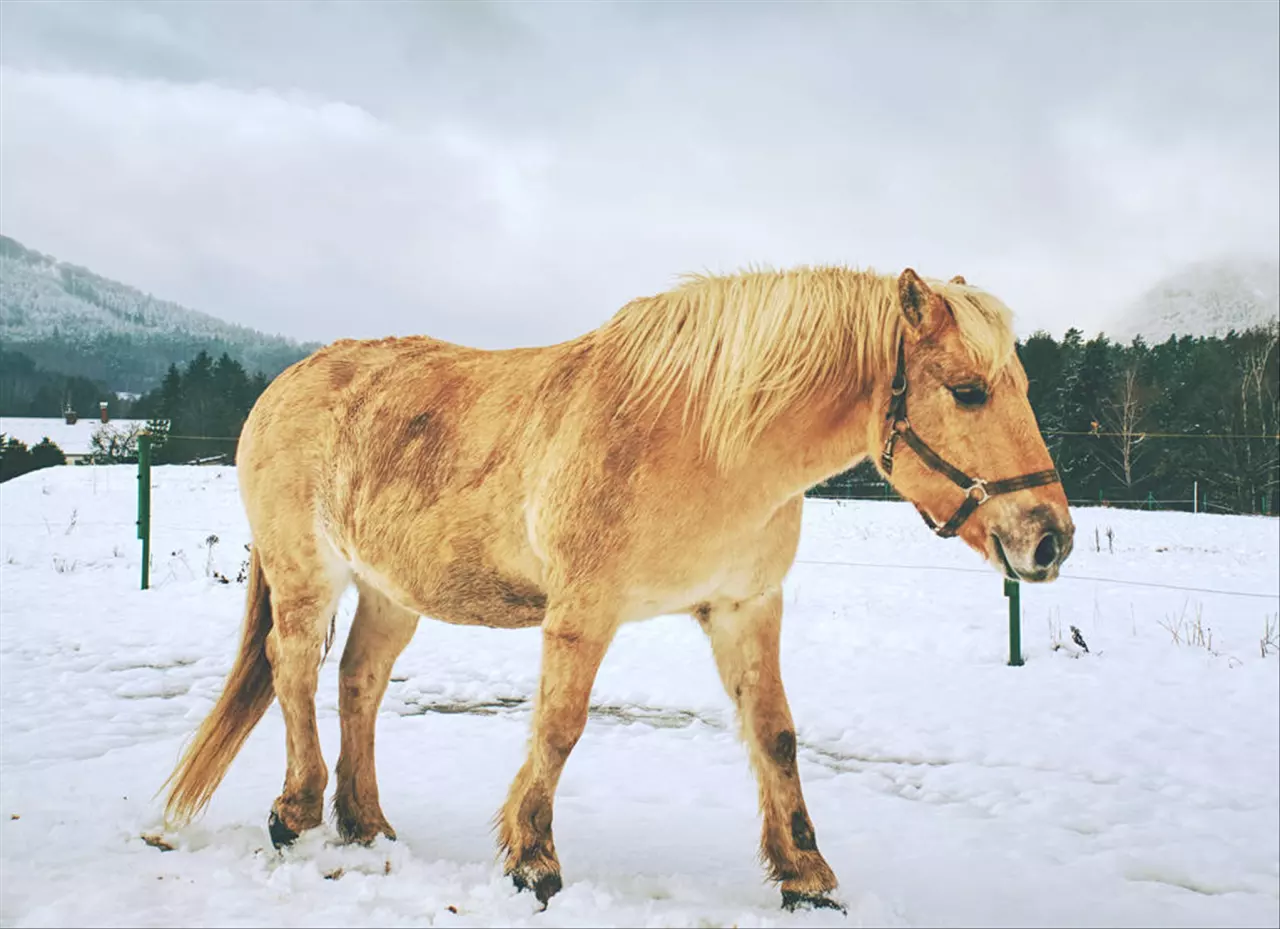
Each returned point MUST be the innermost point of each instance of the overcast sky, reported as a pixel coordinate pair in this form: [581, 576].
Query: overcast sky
[510, 174]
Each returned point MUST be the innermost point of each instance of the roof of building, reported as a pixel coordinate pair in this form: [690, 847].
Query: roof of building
[73, 440]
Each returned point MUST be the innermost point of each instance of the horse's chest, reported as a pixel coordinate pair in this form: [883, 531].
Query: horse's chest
[735, 565]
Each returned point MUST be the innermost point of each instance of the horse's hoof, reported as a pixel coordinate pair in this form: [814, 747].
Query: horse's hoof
[281, 835]
[354, 835]
[793, 900]
[544, 887]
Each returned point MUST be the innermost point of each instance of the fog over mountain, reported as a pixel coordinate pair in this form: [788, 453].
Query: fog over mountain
[1208, 298]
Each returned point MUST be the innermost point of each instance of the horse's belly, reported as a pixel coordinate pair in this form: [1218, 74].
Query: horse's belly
[495, 601]
[462, 592]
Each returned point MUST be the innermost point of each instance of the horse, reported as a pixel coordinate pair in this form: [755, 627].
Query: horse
[655, 465]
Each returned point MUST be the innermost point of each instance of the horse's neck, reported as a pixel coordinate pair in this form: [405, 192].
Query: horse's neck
[813, 442]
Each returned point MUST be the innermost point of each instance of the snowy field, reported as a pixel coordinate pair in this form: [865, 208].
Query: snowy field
[1137, 784]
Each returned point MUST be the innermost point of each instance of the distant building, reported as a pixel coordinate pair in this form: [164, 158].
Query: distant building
[73, 438]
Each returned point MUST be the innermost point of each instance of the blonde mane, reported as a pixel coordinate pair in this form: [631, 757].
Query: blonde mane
[747, 347]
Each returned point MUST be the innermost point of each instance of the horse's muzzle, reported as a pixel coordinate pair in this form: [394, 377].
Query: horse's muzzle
[1035, 551]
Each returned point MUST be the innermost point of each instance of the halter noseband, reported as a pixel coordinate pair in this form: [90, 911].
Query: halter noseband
[977, 491]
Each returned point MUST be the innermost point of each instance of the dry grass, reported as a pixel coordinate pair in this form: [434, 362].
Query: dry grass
[1189, 630]
[1270, 641]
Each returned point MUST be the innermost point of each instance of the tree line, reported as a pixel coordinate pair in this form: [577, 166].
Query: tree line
[206, 398]
[27, 389]
[17, 459]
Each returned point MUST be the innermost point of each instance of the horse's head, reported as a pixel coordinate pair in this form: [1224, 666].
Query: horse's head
[961, 441]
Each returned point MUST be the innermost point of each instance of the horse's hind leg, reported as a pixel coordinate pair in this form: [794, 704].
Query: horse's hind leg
[379, 633]
[744, 637]
[304, 595]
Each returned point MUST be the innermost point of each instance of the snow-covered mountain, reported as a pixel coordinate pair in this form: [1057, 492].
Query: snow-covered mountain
[1205, 299]
[69, 319]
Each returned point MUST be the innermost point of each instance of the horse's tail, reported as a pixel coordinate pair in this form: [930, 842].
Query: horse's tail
[247, 694]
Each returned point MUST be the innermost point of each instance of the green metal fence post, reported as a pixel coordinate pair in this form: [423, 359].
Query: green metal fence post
[1012, 591]
[144, 505]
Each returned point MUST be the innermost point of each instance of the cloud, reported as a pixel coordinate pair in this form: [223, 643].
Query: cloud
[512, 174]
[262, 206]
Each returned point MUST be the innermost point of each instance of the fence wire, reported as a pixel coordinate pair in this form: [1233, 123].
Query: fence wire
[1061, 577]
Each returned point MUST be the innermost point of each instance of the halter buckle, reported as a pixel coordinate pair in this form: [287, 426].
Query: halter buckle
[886, 454]
[981, 495]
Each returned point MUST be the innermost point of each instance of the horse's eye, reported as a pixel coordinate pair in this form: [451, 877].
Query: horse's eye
[970, 395]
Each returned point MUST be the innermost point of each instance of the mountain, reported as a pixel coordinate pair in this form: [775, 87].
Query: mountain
[68, 319]
[1205, 299]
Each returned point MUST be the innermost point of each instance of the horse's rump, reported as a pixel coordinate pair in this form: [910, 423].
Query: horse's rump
[415, 460]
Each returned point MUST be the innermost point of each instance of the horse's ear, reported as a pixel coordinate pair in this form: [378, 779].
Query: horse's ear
[925, 311]
[913, 294]
[958, 280]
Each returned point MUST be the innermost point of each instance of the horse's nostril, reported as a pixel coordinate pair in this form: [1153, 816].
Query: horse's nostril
[1047, 551]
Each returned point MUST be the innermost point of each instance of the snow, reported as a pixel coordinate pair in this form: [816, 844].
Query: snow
[1136, 784]
[74, 440]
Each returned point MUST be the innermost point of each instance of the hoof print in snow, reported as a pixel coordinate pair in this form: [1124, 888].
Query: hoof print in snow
[156, 841]
[793, 900]
[281, 835]
[544, 888]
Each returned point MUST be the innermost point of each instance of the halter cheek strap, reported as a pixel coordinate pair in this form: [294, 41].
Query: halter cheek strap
[977, 491]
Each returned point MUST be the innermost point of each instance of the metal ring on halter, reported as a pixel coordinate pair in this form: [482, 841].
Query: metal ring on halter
[980, 485]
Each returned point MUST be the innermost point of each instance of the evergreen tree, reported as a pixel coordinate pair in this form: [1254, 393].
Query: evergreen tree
[196, 413]
[16, 459]
[46, 454]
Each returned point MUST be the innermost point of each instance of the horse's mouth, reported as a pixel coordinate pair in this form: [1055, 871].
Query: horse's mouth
[1010, 572]
[1004, 560]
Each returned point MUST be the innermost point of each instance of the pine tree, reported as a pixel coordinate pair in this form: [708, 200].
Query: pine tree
[46, 454]
[15, 459]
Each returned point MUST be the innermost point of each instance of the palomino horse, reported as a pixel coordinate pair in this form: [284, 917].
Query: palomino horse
[655, 465]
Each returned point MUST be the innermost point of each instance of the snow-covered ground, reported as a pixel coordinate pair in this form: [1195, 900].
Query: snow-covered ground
[1135, 785]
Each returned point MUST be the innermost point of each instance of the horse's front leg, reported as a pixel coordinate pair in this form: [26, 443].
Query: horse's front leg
[744, 637]
[574, 642]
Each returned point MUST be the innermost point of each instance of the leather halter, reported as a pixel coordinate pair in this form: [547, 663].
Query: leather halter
[977, 491]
